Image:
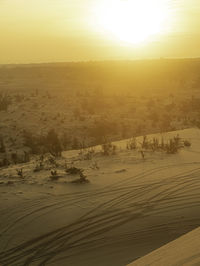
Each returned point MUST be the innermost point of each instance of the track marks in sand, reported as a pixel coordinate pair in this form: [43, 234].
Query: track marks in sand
[122, 195]
[124, 205]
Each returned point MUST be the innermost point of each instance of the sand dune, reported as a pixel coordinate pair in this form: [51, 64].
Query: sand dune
[183, 251]
[131, 207]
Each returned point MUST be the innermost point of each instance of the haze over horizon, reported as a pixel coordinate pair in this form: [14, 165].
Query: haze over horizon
[81, 30]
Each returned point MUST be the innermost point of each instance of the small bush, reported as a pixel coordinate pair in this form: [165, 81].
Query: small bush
[52, 161]
[4, 162]
[131, 144]
[155, 144]
[49, 143]
[4, 102]
[170, 147]
[108, 149]
[54, 175]
[31, 142]
[173, 145]
[82, 180]
[26, 158]
[20, 173]
[20, 158]
[87, 154]
[53, 143]
[74, 171]
[145, 143]
[187, 143]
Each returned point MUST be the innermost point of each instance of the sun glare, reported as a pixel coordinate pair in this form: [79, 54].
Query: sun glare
[132, 21]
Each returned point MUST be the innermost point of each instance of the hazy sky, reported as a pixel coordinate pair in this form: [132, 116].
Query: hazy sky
[68, 30]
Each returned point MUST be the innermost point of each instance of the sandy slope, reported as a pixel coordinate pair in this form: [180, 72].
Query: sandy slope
[130, 208]
[183, 251]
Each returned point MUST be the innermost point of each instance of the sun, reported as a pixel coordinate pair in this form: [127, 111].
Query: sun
[132, 21]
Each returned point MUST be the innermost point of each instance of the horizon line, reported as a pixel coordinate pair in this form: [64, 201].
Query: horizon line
[99, 61]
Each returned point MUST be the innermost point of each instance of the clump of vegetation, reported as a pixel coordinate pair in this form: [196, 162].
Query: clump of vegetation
[75, 143]
[77, 171]
[82, 180]
[31, 142]
[20, 173]
[49, 143]
[2, 146]
[187, 143]
[173, 145]
[52, 161]
[53, 143]
[4, 162]
[39, 167]
[74, 170]
[54, 175]
[131, 144]
[20, 158]
[155, 144]
[10, 182]
[87, 154]
[40, 164]
[4, 102]
[26, 157]
[145, 143]
[66, 141]
[108, 149]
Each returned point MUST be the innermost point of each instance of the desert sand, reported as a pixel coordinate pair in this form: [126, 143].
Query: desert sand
[131, 207]
[183, 251]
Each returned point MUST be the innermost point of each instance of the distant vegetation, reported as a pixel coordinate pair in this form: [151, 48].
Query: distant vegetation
[50, 108]
[4, 102]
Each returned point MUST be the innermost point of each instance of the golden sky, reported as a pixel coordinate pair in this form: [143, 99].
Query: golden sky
[76, 30]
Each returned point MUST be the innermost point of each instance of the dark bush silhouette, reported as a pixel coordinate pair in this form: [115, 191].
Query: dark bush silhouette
[5, 101]
[20, 173]
[187, 143]
[31, 142]
[102, 129]
[53, 143]
[2, 146]
[54, 175]
[43, 143]
[74, 170]
[4, 162]
[173, 145]
[75, 144]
